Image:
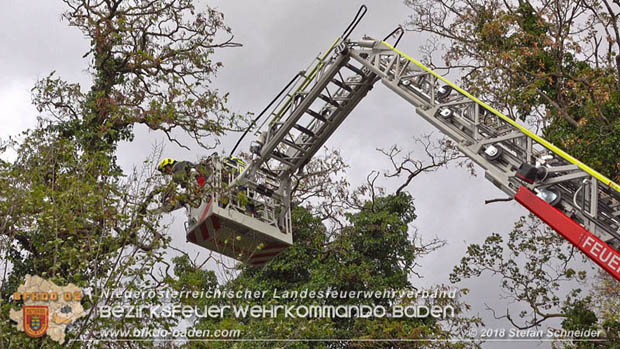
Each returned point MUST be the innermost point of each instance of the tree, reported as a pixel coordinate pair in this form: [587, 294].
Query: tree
[151, 64]
[541, 272]
[374, 251]
[68, 212]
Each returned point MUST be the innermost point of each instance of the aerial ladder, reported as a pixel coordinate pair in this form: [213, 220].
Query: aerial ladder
[576, 201]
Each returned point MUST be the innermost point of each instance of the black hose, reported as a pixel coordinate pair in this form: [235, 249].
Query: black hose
[264, 110]
[402, 31]
[358, 17]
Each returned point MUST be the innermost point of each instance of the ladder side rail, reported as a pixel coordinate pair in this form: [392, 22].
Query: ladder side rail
[351, 90]
[310, 76]
[299, 111]
[605, 181]
[340, 115]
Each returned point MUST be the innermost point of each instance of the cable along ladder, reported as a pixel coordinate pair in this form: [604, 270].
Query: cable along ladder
[575, 200]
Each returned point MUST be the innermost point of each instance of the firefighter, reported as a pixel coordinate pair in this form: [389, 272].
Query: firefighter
[182, 173]
[237, 164]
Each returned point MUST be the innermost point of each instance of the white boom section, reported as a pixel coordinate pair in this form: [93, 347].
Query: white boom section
[586, 196]
[311, 112]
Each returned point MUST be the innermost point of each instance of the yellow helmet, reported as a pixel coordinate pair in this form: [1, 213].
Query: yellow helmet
[237, 162]
[165, 162]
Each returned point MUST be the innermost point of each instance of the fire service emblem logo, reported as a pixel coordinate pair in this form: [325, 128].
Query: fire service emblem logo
[47, 309]
[35, 320]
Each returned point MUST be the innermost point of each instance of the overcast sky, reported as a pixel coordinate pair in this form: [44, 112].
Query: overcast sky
[281, 37]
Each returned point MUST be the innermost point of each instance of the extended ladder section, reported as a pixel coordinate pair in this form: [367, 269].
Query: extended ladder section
[550, 183]
[303, 120]
[308, 116]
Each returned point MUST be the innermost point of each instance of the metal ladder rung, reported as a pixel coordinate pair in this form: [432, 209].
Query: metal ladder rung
[264, 190]
[282, 158]
[304, 130]
[316, 115]
[341, 85]
[293, 145]
[355, 69]
[357, 83]
[268, 172]
[329, 100]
